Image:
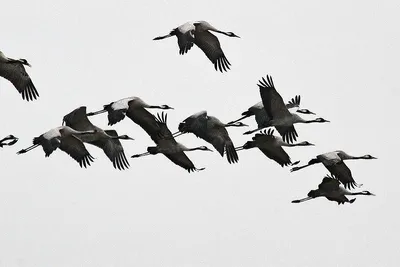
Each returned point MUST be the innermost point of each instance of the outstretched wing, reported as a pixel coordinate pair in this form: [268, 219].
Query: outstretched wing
[210, 45]
[329, 184]
[182, 160]
[341, 172]
[294, 102]
[76, 149]
[185, 41]
[266, 143]
[276, 108]
[78, 120]
[113, 149]
[145, 120]
[16, 74]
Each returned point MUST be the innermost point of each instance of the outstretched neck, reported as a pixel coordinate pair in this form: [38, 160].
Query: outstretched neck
[194, 148]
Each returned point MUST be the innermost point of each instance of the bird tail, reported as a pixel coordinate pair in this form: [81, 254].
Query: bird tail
[231, 153]
[152, 150]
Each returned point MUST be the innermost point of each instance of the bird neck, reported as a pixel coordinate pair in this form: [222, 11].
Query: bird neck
[233, 124]
[358, 193]
[194, 148]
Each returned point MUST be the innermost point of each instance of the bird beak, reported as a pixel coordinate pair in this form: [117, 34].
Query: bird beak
[373, 194]
[237, 36]
[374, 158]
[209, 150]
[130, 138]
[29, 65]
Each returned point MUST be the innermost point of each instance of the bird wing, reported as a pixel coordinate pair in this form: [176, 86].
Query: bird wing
[145, 120]
[210, 45]
[163, 132]
[196, 124]
[16, 74]
[294, 102]
[113, 149]
[329, 184]
[276, 108]
[78, 120]
[76, 149]
[272, 100]
[266, 143]
[185, 41]
[341, 172]
[338, 197]
[262, 118]
[218, 136]
[182, 160]
[288, 133]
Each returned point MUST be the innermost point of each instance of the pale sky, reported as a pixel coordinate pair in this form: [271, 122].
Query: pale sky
[341, 57]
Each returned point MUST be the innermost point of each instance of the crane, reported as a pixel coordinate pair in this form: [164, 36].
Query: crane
[107, 140]
[199, 33]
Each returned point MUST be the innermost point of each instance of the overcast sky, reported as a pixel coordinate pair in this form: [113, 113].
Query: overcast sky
[341, 57]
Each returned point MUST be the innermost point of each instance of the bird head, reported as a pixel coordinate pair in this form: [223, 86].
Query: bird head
[25, 62]
[306, 143]
[368, 157]
[321, 120]
[166, 107]
[367, 193]
[125, 137]
[231, 34]
[236, 124]
[305, 111]
[204, 148]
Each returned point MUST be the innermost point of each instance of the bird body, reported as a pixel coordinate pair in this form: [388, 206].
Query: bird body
[213, 131]
[65, 138]
[199, 33]
[271, 146]
[107, 140]
[167, 145]
[281, 117]
[14, 71]
[135, 109]
[331, 189]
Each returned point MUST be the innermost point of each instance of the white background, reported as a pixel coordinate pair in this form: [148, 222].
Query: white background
[341, 57]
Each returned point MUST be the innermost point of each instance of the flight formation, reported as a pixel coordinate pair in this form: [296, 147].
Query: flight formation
[275, 130]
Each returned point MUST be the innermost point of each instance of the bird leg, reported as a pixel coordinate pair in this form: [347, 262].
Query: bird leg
[311, 162]
[177, 134]
[96, 112]
[239, 148]
[140, 155]
[22, 151]
[302, 200]
[255, 130]
[242, 118]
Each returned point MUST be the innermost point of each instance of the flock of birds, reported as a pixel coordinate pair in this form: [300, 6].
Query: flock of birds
[271, 111]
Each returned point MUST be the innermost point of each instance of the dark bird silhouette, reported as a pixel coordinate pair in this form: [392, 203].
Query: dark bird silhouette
[271, 146]
[199, 33]
[334, 162]
[167, 145]
[14, 71]
[262, 118]
[135, 109]
[66, 139]
[280, 116]
[107, 140]
[211, 130]
[333, 191]
[9, 140]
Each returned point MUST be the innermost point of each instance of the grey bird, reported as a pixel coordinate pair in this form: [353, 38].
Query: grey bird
[14, 71]
[281, 118]
[107, 140]
[271, 146]
[167, 145]
[262, 118]
[66, 139]
[135, 109]
[331, 189]
[199, 33]
[213, 131]
[334, 162]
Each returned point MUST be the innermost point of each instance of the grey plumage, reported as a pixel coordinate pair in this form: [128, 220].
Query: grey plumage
[107, 140]
[14, 71]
